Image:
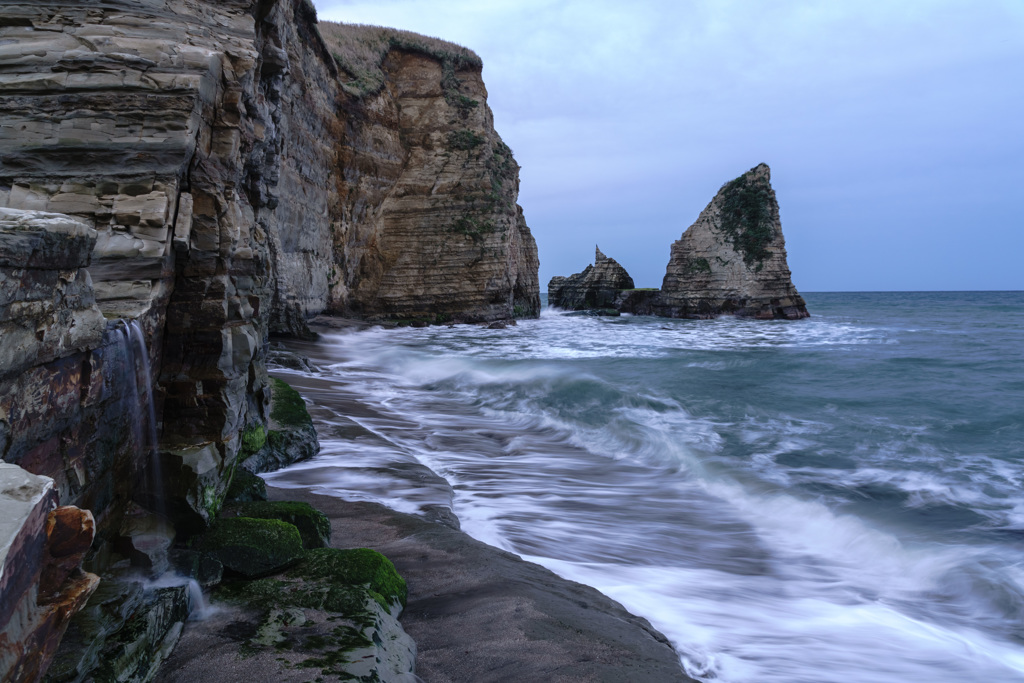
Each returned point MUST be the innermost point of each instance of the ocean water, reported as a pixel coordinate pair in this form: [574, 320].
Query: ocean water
[839, 498]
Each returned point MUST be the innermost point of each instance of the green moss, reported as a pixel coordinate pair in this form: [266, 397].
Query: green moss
[473, 226]
[313, 525]
[287, 407]
[356, 566]
[339, 582]
[464, 140]
[697, 265]
[246, 486]
[252, 547]
[253, 439]
[746, 217]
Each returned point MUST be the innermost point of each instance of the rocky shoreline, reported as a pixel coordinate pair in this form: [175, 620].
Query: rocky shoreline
[476, 613]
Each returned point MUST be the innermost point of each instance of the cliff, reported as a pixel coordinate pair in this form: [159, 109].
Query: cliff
[598, 286]
[179, 180]
[733, 258]
[428, 224]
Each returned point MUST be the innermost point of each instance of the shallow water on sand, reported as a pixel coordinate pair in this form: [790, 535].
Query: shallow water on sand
[833, 499]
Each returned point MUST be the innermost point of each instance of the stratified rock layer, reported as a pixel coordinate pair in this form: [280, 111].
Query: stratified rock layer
[733, 258]
[428, 224]
[598, 286]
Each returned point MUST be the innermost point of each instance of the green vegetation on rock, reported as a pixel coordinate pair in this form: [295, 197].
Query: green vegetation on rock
[313, 525]
[246, 486]
[746, 217]
[360, 566]
[328, 612]
[698, 265]
[464, 140]
[252, 547]
[288, 409]
[253, 439]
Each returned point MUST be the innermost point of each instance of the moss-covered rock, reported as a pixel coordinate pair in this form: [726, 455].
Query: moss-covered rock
[359, 566]
[246, 487]
[253, 439]
[335, 611]
[313, 525]
[290, 435]
[287, 407]
[252, 547]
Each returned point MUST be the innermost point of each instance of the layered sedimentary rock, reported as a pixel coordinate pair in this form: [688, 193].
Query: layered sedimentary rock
[598, 286]
[733, 258]
[238, 183]
[429, 227]
[179, 179]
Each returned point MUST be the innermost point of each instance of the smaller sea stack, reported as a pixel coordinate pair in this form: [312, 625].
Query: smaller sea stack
[596, 287]
[732, 260]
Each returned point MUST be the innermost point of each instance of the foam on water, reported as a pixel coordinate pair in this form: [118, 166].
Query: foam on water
[837, 499]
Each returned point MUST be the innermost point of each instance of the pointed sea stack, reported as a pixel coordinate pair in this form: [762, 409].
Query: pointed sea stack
[596, 287]
[733, 258]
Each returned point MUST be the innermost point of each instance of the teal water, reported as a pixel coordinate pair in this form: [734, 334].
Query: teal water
[832, 499]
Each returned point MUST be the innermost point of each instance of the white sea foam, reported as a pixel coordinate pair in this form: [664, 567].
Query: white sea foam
[746, 532]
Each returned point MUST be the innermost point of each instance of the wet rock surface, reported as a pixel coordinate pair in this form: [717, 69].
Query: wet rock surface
[42, 585]
[481, 614]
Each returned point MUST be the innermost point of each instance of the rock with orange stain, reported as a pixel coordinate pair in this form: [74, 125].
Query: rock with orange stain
[42, 584]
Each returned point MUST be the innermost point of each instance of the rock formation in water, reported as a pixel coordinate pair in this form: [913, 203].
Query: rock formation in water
[181, 178]
[733, 258]
[597, 287]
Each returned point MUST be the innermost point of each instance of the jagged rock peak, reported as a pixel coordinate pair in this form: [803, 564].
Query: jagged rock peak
[596, 287]
[733, 258]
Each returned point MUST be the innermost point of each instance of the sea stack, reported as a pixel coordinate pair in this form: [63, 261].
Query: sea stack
[733, 258]
[595, 288]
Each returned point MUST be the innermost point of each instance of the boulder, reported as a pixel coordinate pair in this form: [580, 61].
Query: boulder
[246, 487]
[313, 525]
[290, 436]
[252, 547]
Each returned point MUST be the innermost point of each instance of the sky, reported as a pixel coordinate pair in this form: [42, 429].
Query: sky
[894, 130]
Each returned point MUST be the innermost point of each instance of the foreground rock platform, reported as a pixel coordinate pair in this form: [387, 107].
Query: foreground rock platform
[477, 613]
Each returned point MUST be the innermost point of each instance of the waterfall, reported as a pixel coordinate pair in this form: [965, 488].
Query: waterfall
[139, 341]
[140, 386]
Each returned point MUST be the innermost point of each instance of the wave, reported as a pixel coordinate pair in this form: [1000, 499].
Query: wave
[724, 479]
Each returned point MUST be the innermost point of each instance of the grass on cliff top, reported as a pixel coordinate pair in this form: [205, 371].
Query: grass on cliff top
[360, 49]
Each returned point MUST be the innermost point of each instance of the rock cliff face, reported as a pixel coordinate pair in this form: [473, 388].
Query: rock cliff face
[181, 178]
[733, 258]
[598, 286]
[428, 225]
[236, 182]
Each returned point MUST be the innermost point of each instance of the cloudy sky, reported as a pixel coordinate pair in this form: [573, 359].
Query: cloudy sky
[894, 130]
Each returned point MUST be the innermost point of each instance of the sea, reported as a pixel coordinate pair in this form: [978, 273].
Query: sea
[839, 498]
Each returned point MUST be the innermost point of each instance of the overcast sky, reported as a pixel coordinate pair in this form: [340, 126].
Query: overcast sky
[894, 129]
